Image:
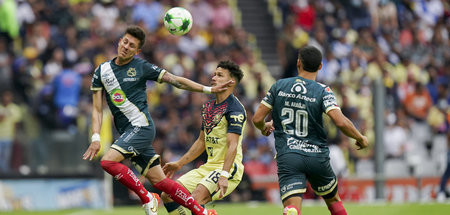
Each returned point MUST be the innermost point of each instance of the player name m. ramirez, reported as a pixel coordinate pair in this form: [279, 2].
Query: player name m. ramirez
[297, 96]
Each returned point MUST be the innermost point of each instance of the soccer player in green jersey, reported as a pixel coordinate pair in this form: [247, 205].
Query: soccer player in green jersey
[123, 81]
[297, 105]
[223, 120]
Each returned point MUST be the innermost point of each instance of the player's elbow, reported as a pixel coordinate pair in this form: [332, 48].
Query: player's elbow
[340, 124]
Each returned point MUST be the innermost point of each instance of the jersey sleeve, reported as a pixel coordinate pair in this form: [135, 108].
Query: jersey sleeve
[268, 100]
[153, 72]
[236, 120]
[96, 80]
[329, 101]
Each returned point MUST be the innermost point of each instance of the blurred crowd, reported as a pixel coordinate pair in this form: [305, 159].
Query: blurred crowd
[49, 49]
[403, 44]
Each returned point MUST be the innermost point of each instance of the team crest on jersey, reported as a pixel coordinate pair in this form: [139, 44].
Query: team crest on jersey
[212, 115]
[299, 88]
[131, 72]
[118, 97]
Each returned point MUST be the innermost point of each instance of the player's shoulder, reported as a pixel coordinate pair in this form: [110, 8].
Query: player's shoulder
[319, 85]
[138, 60]
[235, 104]
[285, 80]
[324, 87]
[101, 65]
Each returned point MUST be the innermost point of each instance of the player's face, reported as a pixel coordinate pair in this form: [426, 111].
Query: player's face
[128, 47]
[220, 76]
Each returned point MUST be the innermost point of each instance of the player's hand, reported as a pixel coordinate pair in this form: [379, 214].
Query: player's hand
[92, 150]
[170, 168]
[222, 186]
[268, 128]
[222, 87]
[362, 143]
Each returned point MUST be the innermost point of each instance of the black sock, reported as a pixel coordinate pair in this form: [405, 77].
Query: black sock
[171, 206]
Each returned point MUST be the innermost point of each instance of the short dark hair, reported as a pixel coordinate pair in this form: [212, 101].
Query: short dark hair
[310, 57]
[138, 33]
[233, 68]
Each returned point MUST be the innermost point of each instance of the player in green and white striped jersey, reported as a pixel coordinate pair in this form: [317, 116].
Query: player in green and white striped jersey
[123, 81]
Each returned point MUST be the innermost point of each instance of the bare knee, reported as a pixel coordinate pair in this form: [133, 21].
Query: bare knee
[201, 196]
[200, 199]
[155, 174]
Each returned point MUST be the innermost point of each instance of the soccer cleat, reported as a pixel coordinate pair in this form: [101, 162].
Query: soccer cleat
[441, 197]
[151, 207]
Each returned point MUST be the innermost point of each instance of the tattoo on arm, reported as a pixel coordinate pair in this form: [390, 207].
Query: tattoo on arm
[174, 82]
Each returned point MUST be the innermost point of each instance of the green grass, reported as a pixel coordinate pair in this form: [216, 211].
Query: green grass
[271, 209]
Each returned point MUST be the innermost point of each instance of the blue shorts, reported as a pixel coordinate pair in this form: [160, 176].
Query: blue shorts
[136, 143]
[294, 169]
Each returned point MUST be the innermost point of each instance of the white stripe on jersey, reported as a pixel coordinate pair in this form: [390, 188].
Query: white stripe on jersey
[109, 80]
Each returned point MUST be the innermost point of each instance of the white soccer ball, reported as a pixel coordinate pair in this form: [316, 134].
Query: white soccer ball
[178, 21]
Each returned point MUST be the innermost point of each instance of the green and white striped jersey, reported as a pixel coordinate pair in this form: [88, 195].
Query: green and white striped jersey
[125, 88]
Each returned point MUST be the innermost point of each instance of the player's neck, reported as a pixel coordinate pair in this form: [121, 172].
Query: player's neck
[220, 97]
[120, 61]
[308, 75]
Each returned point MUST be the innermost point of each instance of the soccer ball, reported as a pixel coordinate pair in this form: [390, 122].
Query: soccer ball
[178, 21]
[290, 210]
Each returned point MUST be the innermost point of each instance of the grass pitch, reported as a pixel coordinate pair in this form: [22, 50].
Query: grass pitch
[270, 209]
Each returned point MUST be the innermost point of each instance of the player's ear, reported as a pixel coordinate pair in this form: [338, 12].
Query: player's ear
[138, 51]
[320, 67]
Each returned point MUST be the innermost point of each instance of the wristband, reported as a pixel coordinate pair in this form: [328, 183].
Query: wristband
[225, 174]
[95, 137]
[207, 89]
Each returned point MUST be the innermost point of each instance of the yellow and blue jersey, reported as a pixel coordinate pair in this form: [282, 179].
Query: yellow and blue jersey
[218, 120]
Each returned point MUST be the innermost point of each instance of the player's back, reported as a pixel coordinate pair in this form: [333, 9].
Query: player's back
[297, 108]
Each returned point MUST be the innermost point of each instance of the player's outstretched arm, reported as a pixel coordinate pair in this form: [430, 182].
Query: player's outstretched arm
[258, 120]
[196, 150]
[187, 84]
[347, 127]
[97, 116]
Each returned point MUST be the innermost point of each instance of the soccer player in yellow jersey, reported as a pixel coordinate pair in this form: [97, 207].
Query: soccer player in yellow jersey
[223, 120]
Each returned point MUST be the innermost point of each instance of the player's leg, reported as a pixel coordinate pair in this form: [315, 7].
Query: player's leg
[292, 205]
[334, 203]
[189, 181]
[134, 143]
[324, 183]
[172, 207]
[201, 194]
[292, 182]
[111, 164]
[175, 191]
